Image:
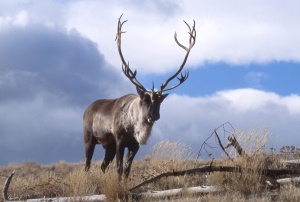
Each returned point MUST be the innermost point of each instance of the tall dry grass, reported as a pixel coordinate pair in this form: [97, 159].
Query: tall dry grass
[254, 144]
[167, 156]
[32, 180]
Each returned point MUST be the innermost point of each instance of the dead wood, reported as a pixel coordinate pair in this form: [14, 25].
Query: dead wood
[187, 172]
[221, 145]
[97, 198]
[295, 163]
[206, 143]
[283, 181]
[233, 142]
[6, 186]
[266, 172]
[176, 192]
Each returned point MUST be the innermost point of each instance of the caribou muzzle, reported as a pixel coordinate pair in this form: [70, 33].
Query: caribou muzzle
[152, 117]
[151, 120]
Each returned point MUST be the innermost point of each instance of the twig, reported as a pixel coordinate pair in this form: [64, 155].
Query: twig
[6, 186]
[222, 147]
[204, 144]
[211, 163]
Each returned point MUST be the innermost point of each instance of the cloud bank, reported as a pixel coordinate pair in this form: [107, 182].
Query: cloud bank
[233, 32]
[47, 78]
[192, 119]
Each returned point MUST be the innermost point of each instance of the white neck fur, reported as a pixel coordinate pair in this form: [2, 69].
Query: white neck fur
[135, 117]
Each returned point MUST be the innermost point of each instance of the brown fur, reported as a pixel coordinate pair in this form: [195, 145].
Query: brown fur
[118, 123]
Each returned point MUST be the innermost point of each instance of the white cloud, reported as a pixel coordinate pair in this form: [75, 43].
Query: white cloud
[47, 78]
[292, 102]
[20, 19]
[192, 119]
[35, 11]
[234, 32]
[147, 42]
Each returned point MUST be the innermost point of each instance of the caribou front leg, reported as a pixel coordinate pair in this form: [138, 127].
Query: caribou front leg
[132, 150]
[119, 155]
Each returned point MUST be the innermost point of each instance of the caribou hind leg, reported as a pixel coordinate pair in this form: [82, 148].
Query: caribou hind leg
[110, 152]
[89, 146]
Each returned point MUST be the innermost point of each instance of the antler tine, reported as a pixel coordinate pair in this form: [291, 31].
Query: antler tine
[192, 33]
[152, 87]
[125, 67]
[181, 80]
[192, 40]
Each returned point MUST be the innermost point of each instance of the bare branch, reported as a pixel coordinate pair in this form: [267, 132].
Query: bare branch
[6, 186]
[205, 143]
[222, 147]
[235, 169]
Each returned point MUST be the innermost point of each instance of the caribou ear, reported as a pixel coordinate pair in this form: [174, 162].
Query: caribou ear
[162, 97]
[140, 92]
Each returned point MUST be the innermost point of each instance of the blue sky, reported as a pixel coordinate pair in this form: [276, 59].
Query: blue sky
[280, 77]
[57, 57]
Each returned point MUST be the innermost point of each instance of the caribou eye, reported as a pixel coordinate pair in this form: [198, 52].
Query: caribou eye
[147, 99]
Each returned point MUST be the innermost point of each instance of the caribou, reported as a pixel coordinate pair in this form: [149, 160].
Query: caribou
[127, 121]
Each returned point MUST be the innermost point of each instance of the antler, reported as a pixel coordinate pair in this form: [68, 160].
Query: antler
[192, 40]
[132, 75]
[125, 66]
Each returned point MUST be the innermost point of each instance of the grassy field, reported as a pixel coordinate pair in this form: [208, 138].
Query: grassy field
[32, 180]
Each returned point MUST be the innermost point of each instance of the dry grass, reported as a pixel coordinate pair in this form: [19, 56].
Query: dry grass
[63, 179]
[253, 144]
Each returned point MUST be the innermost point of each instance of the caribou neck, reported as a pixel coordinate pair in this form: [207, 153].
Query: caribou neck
[135, 120]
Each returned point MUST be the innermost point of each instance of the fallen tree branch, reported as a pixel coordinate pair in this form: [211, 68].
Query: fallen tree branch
[292, 163]
[176, 192]
[283, 181]
[202, 189]
[190, 171]
[266, 172]
[67, 199]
